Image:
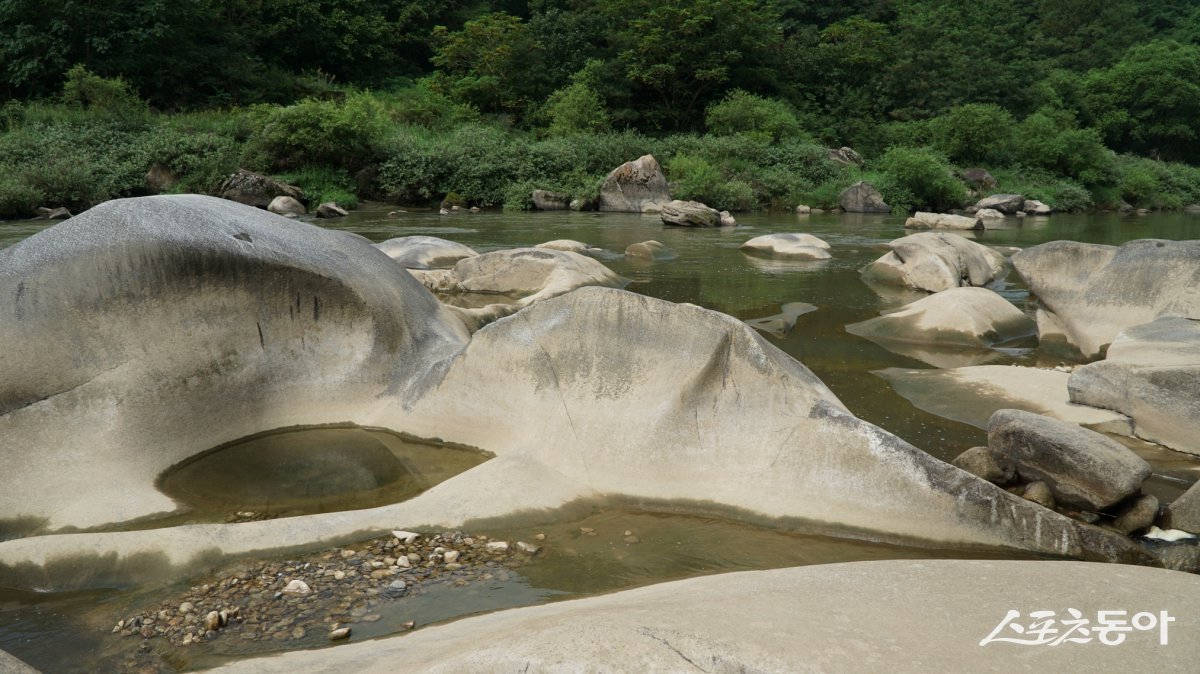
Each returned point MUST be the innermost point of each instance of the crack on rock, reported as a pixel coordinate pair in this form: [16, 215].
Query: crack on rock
[647, 632]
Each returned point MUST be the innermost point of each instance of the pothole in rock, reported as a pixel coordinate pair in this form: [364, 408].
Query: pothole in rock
[310, 470]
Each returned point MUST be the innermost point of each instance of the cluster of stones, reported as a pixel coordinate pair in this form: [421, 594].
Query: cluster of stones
[280, 198]
[326, 592]
[1065, 467]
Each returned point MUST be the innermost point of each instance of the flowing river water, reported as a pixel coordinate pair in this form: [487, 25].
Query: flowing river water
[70, 631]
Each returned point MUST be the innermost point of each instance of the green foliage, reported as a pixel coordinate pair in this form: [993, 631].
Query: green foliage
[322, 184]
[1062, 194]
[975, 133]
[422, 105]
[1050, 139]
[918, 178]
[344, 134]
[1149, 101]
[1153, 184]
[743, 112]
[484, 64]
[18, 199]
[88, 90]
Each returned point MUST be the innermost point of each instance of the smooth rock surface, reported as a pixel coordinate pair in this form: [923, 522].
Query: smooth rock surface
[425, 252]
[1035, 207]
[1008, 204]
[982, 463]
[10, 664]
[690, 214]
[568, 245]
[531, 274]
[972, 394]
[1140, 515]
[971, 317]
[263, 322]
[637, 186]
[648, 250]
[923, 220]
[1087, 293]
[937, 261]
[862, 197]
[989, 214]
[782, 323]
[888, 616]
[1151, 373]
[330, 209]
[1184, 512]
[745, 426]
[791, 246]
[284, 205]
[1084, 469]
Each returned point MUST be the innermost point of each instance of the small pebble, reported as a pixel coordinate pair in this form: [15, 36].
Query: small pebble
[339, 633]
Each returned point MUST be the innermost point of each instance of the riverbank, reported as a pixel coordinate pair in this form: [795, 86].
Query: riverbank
[388, 147]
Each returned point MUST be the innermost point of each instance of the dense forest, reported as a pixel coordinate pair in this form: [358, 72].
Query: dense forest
[1081, 103]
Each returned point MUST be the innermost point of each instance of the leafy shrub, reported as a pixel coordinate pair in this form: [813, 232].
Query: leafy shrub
[1050, 139]
[976, 133]
[201, 160]
[18, 199]
[315, 132]
[322, 184]
[88, 90]
[741, 112]
[918, 178]
[421, 105]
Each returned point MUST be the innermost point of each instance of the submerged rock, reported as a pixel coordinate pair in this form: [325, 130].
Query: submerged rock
[638, 186]
[972, 317]
[793, 246]
[425, 252]
[1084, 469]
[1151, 373]
[648, 250]
[1087, 293]
[330, 209]
[568, 245]
[532, 274]
[936, 261]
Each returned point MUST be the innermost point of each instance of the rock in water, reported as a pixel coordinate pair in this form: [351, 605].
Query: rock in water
[1184, 512]
[425, 252]
[922, 220]
[792, 246]
[544, 200]
[313, 325]
[638, 186]
[648, 250]
[981, 462]
[1008, 204]
[1138, 516]
[972, 317]
[690, 214]
[937, 261]
[254, 189]
[862, 197]
[1150, 373]
[330, 209]
[283, 205]
[1087, 293]
[1084, 469]
[568, 245]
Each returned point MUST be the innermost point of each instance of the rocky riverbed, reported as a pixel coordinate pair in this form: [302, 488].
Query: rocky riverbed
[314, 597]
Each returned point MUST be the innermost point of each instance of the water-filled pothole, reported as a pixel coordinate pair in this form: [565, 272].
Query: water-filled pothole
[311, 470]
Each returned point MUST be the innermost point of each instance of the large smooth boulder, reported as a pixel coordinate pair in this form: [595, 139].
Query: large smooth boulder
[1087, 293]
[637, 186]
[690, 214]
[790, 246]
[972, 317]
[1151, 373]
[330, 209]
[569, 245]
[862, 197]
[145, 331]
[1084, 469]
[1035, 207]
[255, 189]
[425, 252]
[937, 261]
[1009, 204]
[923, 220]
[878, 617]
[545, 200]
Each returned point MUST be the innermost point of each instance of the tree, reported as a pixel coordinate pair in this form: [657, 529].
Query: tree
[1148, 102]
[683, 53]
[485, 64]
[974, 133]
